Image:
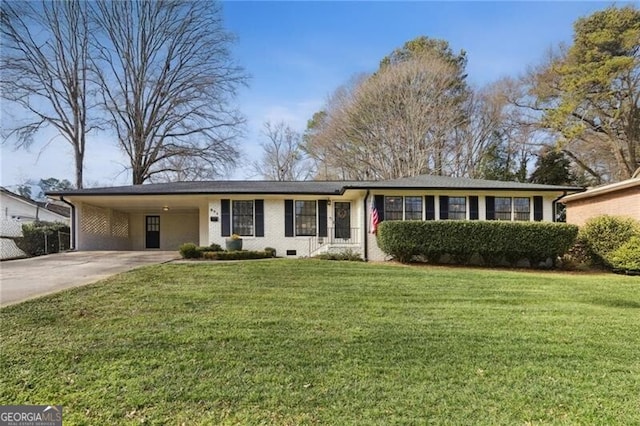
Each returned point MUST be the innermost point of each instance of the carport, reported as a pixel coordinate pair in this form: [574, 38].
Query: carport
[132, 222]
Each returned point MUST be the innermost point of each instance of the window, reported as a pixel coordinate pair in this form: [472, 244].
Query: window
[503, 208]
[305, 218]
[392, 208]
[413, 208]
[242, 218]
[521, 208]
[457, 208]
[402, 208]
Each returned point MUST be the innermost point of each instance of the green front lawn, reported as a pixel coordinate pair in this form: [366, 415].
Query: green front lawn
[318, 342]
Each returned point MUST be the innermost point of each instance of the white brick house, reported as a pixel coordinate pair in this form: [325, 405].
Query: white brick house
[296, 218]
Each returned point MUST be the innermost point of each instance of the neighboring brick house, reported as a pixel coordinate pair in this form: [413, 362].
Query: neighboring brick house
[296, 218]
[616, 199]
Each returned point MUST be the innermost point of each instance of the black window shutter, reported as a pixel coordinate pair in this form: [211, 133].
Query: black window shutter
[259, 213]
[537, 208]
[225, 207]
[430, 202]
[444, 207]
[491, 207]
[379, 202]
[473, 208]
[322, 218]
[288, 218]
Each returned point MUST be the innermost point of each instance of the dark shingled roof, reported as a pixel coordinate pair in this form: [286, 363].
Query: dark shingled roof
[446, 182]
[216, 187]
[310, 187]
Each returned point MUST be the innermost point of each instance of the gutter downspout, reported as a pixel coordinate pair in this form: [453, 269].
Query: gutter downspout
[554, 203]
[73, 223]
[366, 234]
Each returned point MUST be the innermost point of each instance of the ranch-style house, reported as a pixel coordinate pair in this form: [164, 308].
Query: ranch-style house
[298, 219]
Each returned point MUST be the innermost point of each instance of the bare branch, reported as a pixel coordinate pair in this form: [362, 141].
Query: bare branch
[45, 71]
[167, 79]
[283, 158]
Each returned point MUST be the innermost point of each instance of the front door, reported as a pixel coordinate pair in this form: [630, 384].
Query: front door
[153, 232]
[342, 220]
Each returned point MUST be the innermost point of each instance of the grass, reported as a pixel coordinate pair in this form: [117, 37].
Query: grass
[316, 342]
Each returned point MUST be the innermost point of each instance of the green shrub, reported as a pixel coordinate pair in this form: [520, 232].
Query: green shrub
[212, 247]
[190, 251]
[604, 234]
[40, 238]
[270, 250]
[348, 254]
[495, 242]
[236, 255]
[627, 256]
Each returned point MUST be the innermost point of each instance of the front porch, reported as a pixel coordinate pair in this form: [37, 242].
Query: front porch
[337, 240]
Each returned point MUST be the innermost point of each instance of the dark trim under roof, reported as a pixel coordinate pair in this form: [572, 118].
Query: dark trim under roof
[311, 187]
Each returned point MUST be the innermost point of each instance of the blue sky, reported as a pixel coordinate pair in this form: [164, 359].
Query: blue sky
[298, 53]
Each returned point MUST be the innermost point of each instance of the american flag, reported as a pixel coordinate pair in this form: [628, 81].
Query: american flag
[375, 219]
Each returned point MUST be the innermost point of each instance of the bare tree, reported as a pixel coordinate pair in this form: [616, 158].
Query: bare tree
[396, 123]
[45, 69]
[484, 114]
[283, 158]
[167, 80]
[325, 141]
[181, 168]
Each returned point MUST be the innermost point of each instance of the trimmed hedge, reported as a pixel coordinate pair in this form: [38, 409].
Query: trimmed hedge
[494, 241]
[215, 252]
[40, 238]
[237, 255]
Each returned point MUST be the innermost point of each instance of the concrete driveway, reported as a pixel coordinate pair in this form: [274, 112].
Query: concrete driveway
[29, 278]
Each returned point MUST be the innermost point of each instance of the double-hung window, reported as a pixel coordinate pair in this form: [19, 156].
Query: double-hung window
[393, 208]
[521, 208]
[402, 208]
[516, 208]
[457, 208]
[242, 217]
[305, 218]
[503, 208]
[412, 208]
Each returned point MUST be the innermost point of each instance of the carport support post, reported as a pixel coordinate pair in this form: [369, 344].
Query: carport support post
[46, 248]
[74, 222]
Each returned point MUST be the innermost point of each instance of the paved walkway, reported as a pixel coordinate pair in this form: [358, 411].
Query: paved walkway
[29, 278]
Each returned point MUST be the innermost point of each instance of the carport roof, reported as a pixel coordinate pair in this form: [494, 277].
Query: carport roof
[215, 187]
[310, 187]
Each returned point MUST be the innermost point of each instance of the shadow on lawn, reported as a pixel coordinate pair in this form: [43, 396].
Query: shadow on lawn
[616, 303]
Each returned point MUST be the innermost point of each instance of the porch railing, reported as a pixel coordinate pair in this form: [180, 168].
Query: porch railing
[335, 237]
